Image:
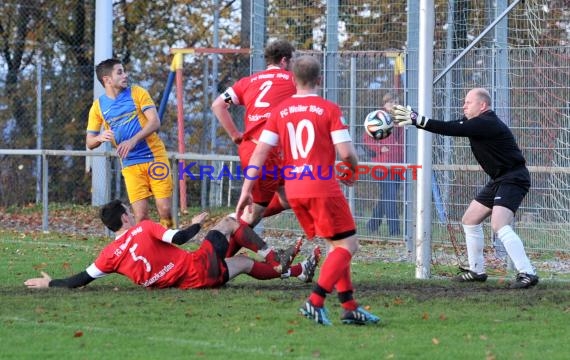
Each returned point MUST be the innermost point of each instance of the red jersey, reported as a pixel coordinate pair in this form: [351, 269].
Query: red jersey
[145, 255]
[260, 93]
[307, 127]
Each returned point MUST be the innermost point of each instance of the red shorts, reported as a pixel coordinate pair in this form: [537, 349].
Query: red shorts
[206, 270]
[327, 217]
[270, 180]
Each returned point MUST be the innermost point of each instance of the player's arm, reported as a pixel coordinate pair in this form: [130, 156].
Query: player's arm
[347, 153]
[77, 280]
[180, 237]
[462, 128]
[220, 108]
[348, 157]
[94, 139]
[253, 168]
[151, 126]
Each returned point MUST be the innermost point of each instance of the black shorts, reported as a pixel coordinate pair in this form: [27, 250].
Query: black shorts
[220, 244]
[508, 190]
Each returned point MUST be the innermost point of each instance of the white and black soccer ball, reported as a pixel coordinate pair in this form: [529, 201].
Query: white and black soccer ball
[378, 124]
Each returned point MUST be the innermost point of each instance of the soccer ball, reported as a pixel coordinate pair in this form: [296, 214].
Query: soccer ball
[378, 124]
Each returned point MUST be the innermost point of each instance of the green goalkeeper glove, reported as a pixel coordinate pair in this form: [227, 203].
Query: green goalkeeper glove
[406, 116]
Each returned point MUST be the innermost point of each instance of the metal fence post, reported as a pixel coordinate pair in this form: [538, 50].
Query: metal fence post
[45, 174]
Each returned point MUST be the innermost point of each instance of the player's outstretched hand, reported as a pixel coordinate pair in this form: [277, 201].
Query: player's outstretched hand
[38, 283]
[405, 115]
[245, 202]
[200, 218]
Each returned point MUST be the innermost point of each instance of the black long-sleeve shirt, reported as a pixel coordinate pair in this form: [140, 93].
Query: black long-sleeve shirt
[491, 140]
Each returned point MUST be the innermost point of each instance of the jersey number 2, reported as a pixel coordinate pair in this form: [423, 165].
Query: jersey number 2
[265, 87]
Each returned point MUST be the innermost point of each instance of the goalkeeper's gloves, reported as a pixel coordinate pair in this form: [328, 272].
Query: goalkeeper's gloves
[407, 116]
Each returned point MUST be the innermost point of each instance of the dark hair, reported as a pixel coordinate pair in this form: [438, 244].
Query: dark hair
[307, 70]
[111, 213]
[278, 50]
[105, 68]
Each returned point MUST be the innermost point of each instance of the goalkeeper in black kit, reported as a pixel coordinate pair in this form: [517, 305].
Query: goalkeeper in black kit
[496, 150]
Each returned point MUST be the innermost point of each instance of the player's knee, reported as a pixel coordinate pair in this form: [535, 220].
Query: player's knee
[227, 226]
[497, 225]
[164, 210]
[468, 220]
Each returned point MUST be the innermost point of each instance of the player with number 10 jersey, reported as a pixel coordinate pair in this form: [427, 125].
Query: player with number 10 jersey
[310, 131]
[308, 127]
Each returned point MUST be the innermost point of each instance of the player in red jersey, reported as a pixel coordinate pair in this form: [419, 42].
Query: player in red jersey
[310, 131]
[145, 253]
[259, 94]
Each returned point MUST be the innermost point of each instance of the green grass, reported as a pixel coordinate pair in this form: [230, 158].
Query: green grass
[249, 319]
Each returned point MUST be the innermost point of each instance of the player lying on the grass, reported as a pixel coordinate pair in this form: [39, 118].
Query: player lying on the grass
[145, 253]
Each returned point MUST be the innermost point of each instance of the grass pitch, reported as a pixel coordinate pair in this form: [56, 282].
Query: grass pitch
[249, 319]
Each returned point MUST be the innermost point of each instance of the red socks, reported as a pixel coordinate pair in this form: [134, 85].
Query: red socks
[245, 237]
[263, 271]
[344, 290]
[335, 266]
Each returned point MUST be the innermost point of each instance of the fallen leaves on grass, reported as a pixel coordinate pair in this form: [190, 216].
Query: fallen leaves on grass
[40, 266]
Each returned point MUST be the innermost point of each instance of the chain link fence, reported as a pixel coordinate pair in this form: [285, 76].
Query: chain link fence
[46, 89]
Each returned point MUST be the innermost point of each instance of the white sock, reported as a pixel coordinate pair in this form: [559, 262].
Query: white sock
[475, 240]
[515, 249]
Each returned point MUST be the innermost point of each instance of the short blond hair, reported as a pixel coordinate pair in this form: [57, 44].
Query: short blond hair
[389, 96]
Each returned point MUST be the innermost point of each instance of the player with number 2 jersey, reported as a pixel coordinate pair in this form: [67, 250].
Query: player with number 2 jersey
[259, 94]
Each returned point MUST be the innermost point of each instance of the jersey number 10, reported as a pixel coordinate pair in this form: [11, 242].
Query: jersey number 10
[296, 138]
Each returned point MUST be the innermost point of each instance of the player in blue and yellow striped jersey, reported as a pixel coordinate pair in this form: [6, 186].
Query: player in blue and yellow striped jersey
[131, 121]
